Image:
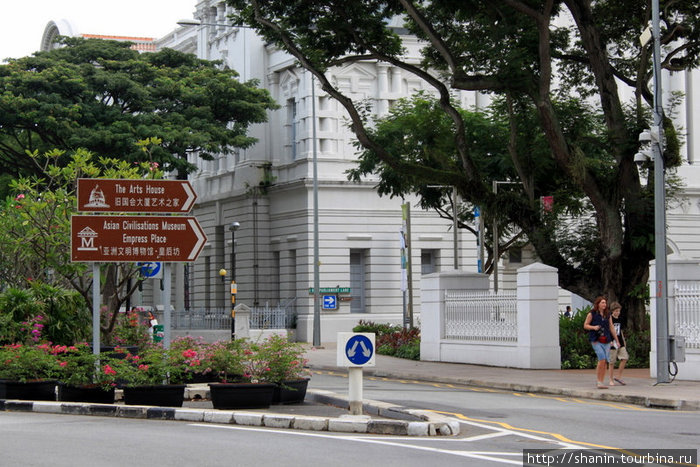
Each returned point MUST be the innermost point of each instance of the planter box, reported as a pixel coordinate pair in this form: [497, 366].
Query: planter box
[290, 392]
[163, 395]
[85, 394]
[241, 395]
[29, 391]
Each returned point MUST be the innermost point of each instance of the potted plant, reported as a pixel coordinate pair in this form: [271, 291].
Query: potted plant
[282, 363]
[153, 377]
[27, 372]
[84, 376]
[195, 358]
[238, 367]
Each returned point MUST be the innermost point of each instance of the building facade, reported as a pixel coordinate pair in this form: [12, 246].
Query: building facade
[269, 190]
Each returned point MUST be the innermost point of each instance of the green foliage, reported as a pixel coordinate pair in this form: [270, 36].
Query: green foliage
[153, 365]
[393, 340]
[561, 126]
[43, 313]
[24, 363]
[35, 237]
[130, 328]
[576, 351]
[378, 328]
[77, 366]
[279, 360]
[103, 96]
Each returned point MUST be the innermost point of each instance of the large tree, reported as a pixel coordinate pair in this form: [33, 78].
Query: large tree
[103, 96]
[537, 57]
[35, 235]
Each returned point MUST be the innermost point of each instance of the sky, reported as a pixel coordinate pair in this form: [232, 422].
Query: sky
[22, 22]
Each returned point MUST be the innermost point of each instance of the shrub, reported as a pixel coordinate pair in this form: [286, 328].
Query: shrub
[576, 351]
[393, 340]
[378, 329]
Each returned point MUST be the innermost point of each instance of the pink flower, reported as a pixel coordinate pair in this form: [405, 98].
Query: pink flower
[143, 367]
[62, 364]
[19, 197]
[108, 370]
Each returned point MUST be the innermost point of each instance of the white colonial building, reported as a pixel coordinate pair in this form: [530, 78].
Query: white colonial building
[269, 190]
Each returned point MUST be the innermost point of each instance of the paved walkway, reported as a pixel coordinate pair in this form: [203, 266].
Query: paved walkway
[641, 389]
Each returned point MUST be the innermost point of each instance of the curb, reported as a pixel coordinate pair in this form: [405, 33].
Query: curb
[399, 420]
[644, 401]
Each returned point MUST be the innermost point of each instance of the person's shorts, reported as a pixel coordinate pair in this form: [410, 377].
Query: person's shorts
[602, 351]
[618, 354]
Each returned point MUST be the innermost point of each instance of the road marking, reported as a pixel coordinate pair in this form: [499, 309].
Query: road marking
[486, 436]
[524, 432]
[471, 454]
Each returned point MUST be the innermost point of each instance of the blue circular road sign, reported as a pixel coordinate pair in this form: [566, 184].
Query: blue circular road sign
[359, 349]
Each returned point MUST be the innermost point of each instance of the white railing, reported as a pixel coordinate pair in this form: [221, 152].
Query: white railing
[687, 313]
[480, 317]
[282, 316]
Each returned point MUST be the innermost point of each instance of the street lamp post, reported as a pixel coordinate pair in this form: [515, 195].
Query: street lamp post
[234, 289]
[662, 343]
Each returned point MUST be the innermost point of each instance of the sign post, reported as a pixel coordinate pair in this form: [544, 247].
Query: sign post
[355, 351]
[147, 239]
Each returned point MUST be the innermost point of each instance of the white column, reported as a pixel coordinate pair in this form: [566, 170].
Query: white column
[538, 317]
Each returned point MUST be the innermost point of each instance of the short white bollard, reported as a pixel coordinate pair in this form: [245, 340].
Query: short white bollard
[355, 351]
[355, 392]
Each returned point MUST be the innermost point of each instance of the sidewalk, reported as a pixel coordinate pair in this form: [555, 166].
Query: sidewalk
[641, 389]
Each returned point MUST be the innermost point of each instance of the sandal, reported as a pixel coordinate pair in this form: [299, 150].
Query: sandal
[619, 381]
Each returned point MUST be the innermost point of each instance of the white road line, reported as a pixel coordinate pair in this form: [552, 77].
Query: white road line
[470, 454]
[486, 436]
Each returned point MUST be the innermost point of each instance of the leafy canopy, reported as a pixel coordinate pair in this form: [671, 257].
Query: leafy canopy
[103, 96]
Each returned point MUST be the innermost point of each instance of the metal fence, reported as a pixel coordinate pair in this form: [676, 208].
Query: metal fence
[687, 313]
[282, 316]
[481, 316]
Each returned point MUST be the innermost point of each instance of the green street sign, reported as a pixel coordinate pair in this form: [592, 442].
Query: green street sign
[332, 290]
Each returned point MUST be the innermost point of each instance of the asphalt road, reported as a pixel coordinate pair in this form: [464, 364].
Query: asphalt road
[496, 427]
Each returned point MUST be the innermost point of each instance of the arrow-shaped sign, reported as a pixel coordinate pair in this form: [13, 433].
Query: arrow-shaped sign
[365, 351]
[353, 349]
[126, 195]
[136, 238]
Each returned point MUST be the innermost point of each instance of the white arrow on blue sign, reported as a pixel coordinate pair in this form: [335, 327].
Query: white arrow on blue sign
[359, 349]
[150, 269]
[330, 302]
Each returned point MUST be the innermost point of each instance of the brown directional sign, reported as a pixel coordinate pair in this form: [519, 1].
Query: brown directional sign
[96, 238]
[125, 195]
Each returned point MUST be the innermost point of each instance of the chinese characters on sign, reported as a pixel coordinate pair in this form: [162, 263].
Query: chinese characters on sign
[118, 195]
[135, 238]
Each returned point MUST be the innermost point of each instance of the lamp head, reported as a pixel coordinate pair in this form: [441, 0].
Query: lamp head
[222, 273]
[234, 226]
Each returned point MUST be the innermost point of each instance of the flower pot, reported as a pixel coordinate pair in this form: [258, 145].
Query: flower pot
[241, 395]
[163, 395]
[94, 394]
[290, 392]
[29, 391]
